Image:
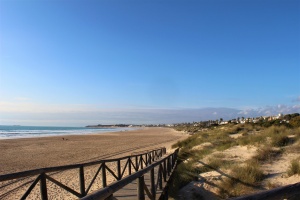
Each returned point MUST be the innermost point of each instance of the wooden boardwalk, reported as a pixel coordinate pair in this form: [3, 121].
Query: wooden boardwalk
[130, 191]
[141, 176]
[150, 182]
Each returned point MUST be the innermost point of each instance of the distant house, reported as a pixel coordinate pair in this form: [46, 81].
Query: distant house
[234, 121]
[223, 122]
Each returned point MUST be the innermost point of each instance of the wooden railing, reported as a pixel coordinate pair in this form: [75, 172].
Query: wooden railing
[285, 192]
[165, 167]
[123, 167]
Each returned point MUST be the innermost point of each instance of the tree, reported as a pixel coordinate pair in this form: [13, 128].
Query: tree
[295, 121]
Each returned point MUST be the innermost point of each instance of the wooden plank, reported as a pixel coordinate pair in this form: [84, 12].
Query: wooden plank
[286, 192]
[140, 189]
[33, 172]
[147, 191]
[105, 192]
[43, 187]
[129, 166]
[82, 181]
[160, 177]
[153, 189]
[126, 165]
[104, 183]
[119, 169]
[64, 186]
[142, 159]
[31, 187]
[112, 173]
[165, 170]
[94, 178]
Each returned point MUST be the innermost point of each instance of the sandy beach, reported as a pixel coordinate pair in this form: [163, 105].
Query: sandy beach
[31, 153]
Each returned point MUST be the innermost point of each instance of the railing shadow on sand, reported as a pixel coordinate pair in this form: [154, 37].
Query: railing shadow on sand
[120, 171]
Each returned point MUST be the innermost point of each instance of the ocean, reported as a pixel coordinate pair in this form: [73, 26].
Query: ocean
[14, 132]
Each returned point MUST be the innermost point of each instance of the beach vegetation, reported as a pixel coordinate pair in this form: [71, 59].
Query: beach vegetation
[295, 121]
[267, 154]
[241, 180]
[183, 174]
[294, 167]
[271, 138]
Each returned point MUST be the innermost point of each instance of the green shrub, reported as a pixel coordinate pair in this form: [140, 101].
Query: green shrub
[241, 180]
[280, 140]
[253, 139]
[295, 122]
[250, 173]
[234, 129]
[188, 142]
[212, 164]
[266, 154]
[184, 174]
[274, 130]
[294, 168]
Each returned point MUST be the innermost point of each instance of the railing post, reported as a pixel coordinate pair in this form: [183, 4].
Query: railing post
[119, 169]
[153, 156]
[147, 163]
[152, 184]
[165, 170]
[136, 163]
[111, 197]
[104, 184]
[166, 193]
[129, 166]
[43, 187]
[140, 189]
[150, 158]
[141, 161]
[169, 165]
[82, 181]
[160, 171]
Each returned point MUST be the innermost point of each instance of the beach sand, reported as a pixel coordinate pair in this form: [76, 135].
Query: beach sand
[26, 154]
[32, 153]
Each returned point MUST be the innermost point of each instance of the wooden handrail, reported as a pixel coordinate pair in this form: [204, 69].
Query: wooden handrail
[284, 192]
[108, 191]
[33, 172]
[139, 164]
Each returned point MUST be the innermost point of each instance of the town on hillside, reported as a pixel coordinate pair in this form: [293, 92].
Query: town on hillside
[264, 120]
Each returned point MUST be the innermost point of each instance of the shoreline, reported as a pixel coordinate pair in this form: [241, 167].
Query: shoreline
[32, 153]
[76, 131]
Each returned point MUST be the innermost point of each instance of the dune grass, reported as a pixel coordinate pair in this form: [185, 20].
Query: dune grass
[294, 168]
[267, 154]
[270, 141]
[242, 179]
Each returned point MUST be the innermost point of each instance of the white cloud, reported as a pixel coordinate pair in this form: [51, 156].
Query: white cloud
[271, 110]
[31, 107]
[297, 99]
[29, 113]
[22, 99]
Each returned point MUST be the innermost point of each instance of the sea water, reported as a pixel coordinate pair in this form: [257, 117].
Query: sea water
[13, 132]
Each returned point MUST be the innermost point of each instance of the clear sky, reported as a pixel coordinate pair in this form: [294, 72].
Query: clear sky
[65, 62]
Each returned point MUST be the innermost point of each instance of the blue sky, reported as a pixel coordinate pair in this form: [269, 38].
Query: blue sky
[83, 62]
